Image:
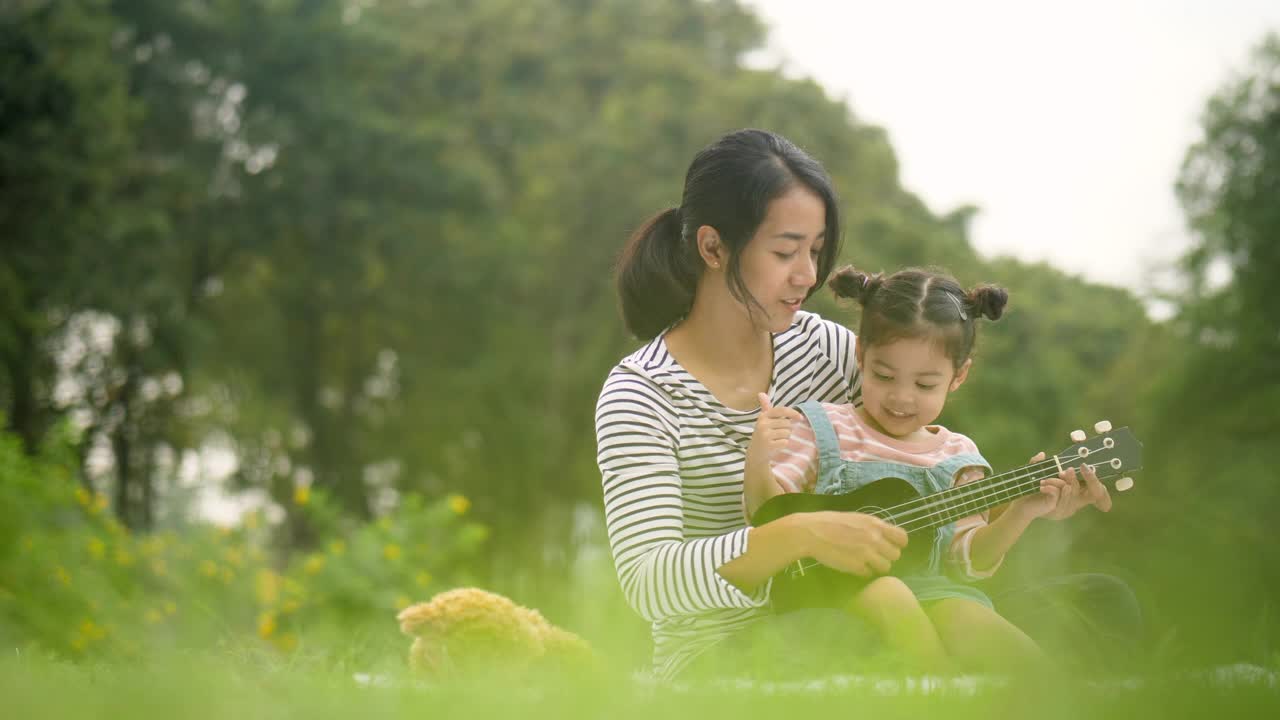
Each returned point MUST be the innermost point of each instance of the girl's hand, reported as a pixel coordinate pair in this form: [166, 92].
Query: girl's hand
[773, 430]
[852, 542]
[1060, 497]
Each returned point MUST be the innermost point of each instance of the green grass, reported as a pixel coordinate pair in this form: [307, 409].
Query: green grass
[244, 684]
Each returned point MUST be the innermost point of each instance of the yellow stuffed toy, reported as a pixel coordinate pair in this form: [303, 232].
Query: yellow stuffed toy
[469, 630]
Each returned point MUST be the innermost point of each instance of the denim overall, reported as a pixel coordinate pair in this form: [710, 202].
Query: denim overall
[837, 476]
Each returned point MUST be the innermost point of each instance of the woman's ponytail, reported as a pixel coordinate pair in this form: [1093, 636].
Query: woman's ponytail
[657, 274]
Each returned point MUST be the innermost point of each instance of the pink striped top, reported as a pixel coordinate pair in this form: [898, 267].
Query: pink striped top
[795, 467]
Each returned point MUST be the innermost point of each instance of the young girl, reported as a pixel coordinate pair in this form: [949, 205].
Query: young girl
[913, 347]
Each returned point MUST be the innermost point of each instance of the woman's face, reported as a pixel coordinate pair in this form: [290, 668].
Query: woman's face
[780, 263]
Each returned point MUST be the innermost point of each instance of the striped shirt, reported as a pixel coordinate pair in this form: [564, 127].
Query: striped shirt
[671, 459]
[795, 467]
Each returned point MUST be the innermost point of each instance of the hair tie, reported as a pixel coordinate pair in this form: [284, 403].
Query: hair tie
[865, 279]
[959, 307]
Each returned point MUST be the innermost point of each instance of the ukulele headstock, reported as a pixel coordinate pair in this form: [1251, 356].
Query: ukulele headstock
[1113, 453]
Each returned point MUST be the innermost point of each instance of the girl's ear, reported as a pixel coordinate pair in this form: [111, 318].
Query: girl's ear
[710, 247]
[961, 375]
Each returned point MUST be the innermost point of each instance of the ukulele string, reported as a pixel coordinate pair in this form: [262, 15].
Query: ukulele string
[1007, 484]
[800, 566]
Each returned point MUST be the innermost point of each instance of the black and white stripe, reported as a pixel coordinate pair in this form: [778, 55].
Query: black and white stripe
[671, 459]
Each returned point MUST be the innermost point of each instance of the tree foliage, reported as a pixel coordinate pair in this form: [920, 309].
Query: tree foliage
[367, 248]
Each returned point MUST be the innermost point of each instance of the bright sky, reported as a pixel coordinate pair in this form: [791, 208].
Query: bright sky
[1066, 123]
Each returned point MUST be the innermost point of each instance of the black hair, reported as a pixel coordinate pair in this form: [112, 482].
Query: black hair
[919, 303]
[729, 186]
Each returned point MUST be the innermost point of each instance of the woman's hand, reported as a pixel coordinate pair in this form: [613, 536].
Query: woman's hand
[852, 542]
[1060, 497]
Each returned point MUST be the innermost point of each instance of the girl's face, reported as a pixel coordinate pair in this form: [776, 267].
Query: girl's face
[780, 263]
[905, 383]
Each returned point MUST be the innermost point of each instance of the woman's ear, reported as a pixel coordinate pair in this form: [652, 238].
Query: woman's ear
[961, 375]
[710, 248]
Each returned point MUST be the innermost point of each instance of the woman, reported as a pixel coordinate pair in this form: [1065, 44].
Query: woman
[715, 287]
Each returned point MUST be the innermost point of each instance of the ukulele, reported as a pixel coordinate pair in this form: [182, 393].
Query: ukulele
[808, 583]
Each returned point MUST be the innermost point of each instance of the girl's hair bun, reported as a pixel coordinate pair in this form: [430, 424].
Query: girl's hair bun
[850, 282]
[988, 301]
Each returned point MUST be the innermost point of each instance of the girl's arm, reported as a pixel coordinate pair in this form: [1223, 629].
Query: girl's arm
[773, 430]
[983, 548]
[989, 542]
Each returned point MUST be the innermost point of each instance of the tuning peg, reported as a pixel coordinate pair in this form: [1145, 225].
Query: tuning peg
[1124, 483]
[1077, 435]
[1102, 426]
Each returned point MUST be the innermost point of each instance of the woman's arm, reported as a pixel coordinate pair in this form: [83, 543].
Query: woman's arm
[661, 573]
[847, 541]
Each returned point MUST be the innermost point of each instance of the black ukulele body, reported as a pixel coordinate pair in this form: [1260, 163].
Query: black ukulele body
[809, 584]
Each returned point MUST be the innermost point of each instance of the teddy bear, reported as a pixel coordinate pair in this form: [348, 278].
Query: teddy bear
[468, 630]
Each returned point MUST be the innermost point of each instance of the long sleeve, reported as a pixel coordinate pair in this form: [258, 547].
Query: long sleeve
[662, 574]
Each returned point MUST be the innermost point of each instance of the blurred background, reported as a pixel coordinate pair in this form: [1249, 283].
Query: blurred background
[305, 304]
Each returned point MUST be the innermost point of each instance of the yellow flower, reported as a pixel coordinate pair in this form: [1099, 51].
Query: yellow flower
[294, 588]
[208, 568]
[286, 642]
[123, 558]
[152, 546]
[385, 523]
[423, 579]
[266, 625]
[91, 631]
[337, 547]
[402, 602]
[314, 564]
[227, 576]
[251, 520]
[290, 606]
[391, 552]
[302, 495]
[97, 548]
[459, 504]
[235, 556]
[82, 497]
[62, 575]
[28, 544]
[159, 568]
[267, 587]
[99, 503]
[155, 617]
